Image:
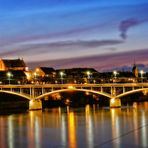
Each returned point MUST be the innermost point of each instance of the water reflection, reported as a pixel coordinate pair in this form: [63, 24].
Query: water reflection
[89, 127]
[10, 132]
[71, 130]
[63, 130]
[81, 127]
[115, 125]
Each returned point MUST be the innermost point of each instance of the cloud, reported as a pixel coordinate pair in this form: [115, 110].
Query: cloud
[79, 43]
[129, 67]
[125, 25]
[53, 47]
[100, 63]
[49, 35]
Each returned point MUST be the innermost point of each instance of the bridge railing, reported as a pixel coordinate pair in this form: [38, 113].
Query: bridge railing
[35, 90]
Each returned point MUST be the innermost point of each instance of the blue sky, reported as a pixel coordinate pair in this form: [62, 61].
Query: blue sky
[60, 33]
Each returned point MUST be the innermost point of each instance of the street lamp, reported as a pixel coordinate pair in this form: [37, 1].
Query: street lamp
[94, 81]
[88, 75]
[141, 73]
[9, 75]
[35, 76]
[61, 74]
[115, 74]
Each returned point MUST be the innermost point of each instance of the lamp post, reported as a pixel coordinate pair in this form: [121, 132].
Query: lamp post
[115, 74]
[61, 74]
[9, 75]
[35, 77]
[141, 73]
[94, 81]
[88, 75]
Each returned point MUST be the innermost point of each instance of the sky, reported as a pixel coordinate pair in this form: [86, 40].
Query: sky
[103, 34]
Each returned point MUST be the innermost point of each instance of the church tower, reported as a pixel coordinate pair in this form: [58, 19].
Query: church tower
[135, 71]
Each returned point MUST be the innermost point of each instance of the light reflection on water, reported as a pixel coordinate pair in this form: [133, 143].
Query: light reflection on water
[77, 127]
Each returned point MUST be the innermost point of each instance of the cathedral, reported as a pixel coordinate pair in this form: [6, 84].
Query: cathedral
[135, 71]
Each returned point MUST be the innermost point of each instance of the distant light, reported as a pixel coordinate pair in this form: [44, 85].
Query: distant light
[31, 102]
[70, 87]
[87, 93]
[75, 81]
[88, 73]
[113, 100]
[115, 72]
[28, 75]
[141, 72]
[61, 73]
[9, 74]
[26, 68]
[37, 70]
[67, 101]
[35, 73]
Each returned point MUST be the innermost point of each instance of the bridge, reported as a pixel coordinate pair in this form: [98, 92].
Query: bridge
[34, 92]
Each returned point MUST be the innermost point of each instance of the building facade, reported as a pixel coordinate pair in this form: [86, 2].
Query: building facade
[12, 64]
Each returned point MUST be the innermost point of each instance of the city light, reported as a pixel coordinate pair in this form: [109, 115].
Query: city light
[9, 75]
[113, 100]
[35, 74]
[88, 76]
[88, 73]
[94, 81]
[26, 68]
[115, 73]
[142, 73]
[70, 87]
[61, 74]
[37, 70]
[28, 75]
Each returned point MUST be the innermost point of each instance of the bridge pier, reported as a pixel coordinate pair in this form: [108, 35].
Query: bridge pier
[114, 103]
[35, 104]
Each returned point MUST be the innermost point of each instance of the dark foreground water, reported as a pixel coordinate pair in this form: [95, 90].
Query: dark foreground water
[77, 127]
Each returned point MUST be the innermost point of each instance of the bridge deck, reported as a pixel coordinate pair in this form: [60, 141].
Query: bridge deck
[76, 85]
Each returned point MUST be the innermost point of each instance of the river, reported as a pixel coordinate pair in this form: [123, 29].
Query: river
[87, 127]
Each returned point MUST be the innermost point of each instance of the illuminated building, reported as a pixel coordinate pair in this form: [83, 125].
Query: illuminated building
[12, 64]
[135, 71]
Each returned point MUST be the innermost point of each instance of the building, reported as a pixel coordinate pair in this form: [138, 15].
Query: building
[44, 74]
[135, 71]
[77, 75]
[13, 69]
[13, 77]
[12, 64]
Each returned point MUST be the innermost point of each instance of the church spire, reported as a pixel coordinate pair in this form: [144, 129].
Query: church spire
[135, 70]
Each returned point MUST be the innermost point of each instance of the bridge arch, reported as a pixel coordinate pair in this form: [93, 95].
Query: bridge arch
[16, 94]
[131, 92]
[75, 89]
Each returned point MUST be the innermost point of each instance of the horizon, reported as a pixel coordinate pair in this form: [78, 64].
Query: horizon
[76, 33]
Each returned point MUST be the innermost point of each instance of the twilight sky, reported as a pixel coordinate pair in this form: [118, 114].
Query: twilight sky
[103, 34]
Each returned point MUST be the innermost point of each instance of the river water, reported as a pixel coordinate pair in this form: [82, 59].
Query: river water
[87, 127]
